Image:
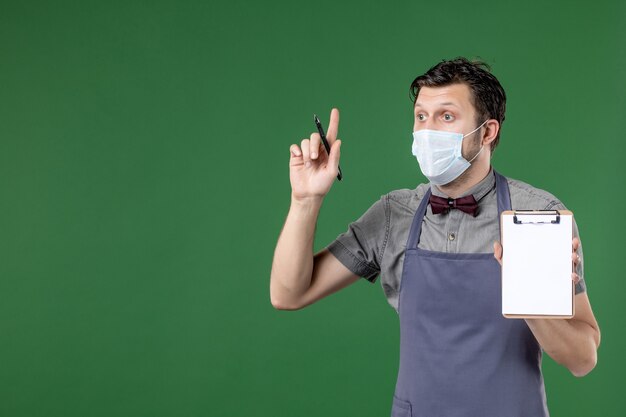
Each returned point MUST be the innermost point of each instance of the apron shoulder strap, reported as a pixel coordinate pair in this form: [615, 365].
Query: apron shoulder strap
[502, 193]
[416, 226]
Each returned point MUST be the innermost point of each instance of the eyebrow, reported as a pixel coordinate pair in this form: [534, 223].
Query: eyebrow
[447, 103]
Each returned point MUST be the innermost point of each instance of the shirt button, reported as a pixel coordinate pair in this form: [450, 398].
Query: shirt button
[451, 236]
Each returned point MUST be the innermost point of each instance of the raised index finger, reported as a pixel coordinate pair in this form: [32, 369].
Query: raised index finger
[333, 126]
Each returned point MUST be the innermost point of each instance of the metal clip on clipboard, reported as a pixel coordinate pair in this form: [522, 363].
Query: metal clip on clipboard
[539, 214]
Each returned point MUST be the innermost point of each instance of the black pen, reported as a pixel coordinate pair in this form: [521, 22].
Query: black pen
[320, 129]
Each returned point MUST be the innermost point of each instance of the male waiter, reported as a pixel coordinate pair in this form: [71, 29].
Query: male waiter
[436, 249]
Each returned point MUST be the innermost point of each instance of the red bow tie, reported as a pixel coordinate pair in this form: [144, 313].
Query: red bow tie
[467, 204]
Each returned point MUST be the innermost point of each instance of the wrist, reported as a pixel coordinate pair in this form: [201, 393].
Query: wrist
[307, 203]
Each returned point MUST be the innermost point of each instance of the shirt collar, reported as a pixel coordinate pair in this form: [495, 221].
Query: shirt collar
[478, 191]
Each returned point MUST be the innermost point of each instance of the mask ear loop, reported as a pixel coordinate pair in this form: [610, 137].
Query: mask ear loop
[482, 124]
[481, 146]
[481, 149]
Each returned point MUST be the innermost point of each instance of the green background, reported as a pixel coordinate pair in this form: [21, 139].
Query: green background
[144, 151]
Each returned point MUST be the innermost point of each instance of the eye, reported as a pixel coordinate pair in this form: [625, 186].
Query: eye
[448, 117]
[421, 117]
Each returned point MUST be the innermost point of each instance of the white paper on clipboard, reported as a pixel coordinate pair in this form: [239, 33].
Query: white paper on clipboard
[537, 264]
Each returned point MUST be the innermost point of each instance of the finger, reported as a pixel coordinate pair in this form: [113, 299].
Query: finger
[295, 151]
[575, 243]
[305, 152]
[335, 153]
[575, 258]
[333, 126]
[575, 277]
[316, 139]
[497, 252]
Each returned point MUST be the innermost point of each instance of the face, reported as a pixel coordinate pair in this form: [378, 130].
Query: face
[448, 108]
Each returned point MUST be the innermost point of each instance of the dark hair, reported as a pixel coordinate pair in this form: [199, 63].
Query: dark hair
[488, 96]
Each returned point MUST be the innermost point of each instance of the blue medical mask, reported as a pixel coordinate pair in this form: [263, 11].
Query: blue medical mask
[439, 154]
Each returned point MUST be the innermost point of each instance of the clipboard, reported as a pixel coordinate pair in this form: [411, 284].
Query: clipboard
[537, 264]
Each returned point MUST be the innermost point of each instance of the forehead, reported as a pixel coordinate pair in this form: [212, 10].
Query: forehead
[454, 94]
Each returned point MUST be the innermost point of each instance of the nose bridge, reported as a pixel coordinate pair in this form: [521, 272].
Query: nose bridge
[430, 123]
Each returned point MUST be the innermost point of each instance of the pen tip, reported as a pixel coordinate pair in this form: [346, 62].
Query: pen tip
[314, 117]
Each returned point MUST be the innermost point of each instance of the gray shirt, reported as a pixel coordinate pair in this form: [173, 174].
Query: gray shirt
[374, 244]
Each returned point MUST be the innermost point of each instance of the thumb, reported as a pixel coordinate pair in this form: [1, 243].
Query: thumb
[333, 158]
[497, 252]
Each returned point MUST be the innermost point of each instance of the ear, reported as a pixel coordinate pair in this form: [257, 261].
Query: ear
[492, 127]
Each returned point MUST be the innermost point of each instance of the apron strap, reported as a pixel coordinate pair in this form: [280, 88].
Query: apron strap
[502, 194]
[416, 226]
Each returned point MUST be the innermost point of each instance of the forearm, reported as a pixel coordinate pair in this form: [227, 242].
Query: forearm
[293, 258]
[571, 343]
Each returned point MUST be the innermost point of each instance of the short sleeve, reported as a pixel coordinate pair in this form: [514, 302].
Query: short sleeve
[361, 247]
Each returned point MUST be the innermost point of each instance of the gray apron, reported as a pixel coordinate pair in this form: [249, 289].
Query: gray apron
[458, 355]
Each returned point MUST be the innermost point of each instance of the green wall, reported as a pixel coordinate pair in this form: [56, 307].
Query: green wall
[144, 181]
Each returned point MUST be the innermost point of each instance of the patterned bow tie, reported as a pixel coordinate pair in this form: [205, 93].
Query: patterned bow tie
[467, 204]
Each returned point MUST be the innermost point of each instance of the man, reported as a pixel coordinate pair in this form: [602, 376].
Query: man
[436, 248]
